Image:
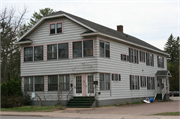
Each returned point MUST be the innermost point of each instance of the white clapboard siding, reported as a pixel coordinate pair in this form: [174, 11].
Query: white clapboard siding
[95, 64]
[121, 89]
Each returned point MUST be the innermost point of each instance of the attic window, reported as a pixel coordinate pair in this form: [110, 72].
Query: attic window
[55, 27]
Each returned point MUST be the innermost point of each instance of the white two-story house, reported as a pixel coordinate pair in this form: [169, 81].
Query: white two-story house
[73, 57]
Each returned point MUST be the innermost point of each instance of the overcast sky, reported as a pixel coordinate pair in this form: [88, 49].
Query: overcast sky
[150, 20]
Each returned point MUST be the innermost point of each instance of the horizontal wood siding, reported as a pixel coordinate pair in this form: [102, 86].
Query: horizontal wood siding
[71, 32]
[121, 89]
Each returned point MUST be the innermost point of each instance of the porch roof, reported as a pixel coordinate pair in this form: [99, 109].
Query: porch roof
[163, 73]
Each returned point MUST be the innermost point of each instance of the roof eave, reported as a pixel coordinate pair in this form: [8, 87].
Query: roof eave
[102, 34]
[23, 42]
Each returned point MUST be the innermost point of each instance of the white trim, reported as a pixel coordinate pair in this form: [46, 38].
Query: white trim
[102, 34]
[61, 15]
[23, 42]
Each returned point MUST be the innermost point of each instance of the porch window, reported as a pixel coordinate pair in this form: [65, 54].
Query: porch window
[160, 61]
[77, 49]
[52, 51]
[64, 82]
[133, 54]
[142, 56]
[134, 82]
[52, 83]
[28, 54]
[143, 81]
[39, 83]
[150, 83]
[63, 50]
[83, 48]
[28, 84]
[104, 81]
[149, 59]
[104, 49]
[38, 53]
[88, 48]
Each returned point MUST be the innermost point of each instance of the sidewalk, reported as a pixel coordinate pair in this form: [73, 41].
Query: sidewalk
[140, 111]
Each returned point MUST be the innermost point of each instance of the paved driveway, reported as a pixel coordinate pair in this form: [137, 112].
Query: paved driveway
[139, 109]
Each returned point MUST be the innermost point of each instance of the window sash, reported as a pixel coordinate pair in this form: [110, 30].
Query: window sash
[53, 83]
[52, 51]
[52, 28]
[104, 49]
[28, 84]
[77, 49]
[28, 54]
[63, 50]
[88, 48]
[59, 27]
[64, 82]
[104, 81]
[38, 53]
[39, 83]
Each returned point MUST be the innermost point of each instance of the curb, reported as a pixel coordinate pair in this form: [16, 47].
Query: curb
[25, 115]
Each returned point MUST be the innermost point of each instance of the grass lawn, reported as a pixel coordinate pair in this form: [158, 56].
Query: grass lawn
[169, 113]
[34, 109]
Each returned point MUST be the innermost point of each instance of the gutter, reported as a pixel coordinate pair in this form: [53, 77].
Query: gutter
[102, 34]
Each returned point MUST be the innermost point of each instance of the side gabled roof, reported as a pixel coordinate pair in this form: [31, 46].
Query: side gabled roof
[94, 27]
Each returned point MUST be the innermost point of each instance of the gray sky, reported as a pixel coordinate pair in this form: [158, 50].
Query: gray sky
[150, 20]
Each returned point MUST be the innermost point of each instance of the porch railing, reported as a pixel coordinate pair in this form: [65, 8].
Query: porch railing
[91, 93]
[69, 95]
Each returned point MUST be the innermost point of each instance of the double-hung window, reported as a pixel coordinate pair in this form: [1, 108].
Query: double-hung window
[104, 49]
[104, 81]
[160, 61]
[38, 53]
[134, 82]
[52, 51]
[33, 53]
[124, 57]
[83, 48]
[64, 82]
[28, 84]
[57, 51]
[28, 54]
[142, 56]
[143, 81]
[58, 82]
[53, 83]
[150, 83]
[149, 59]
[39, 83]
[55, 27]
[133, 55]
[116, 77]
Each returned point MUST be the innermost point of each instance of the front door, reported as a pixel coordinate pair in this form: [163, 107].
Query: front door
[159, 83]
[78, 85]
[89, 85]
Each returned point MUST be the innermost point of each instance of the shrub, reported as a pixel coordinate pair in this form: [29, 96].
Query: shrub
[27, 99]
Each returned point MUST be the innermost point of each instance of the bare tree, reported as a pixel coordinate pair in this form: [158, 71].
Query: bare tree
[10, 26]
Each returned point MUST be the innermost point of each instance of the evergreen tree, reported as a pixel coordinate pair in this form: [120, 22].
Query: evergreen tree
[37, 16]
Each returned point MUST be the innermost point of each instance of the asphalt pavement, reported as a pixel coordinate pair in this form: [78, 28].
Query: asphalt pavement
[139, 111]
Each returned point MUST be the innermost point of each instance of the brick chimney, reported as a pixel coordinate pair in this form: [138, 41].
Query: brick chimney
[120, 28]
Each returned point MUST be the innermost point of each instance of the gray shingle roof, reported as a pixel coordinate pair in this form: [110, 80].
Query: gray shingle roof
[163, 73]
[109, 31]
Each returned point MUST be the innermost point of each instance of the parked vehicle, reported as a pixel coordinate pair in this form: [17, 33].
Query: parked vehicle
[171, 93]
[176, 93]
